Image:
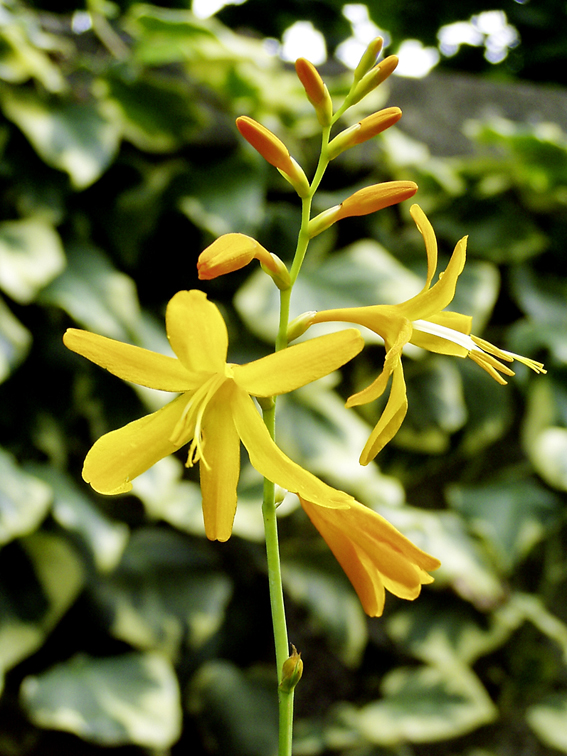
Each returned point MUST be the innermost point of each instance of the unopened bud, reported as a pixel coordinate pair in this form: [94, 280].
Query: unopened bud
[292, 670]
[231, 252]
[365, 201]
[316, 90]
[278, 272]
[373, 79]
[368, 59]
[272, 149]
[299, 325]
[363, 131]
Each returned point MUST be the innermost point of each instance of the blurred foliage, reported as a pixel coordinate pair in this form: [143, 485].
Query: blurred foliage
[120, 625]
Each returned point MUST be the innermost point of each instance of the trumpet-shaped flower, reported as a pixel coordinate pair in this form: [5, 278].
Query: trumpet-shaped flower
[375, 556]
[214, 410]
[422, 321]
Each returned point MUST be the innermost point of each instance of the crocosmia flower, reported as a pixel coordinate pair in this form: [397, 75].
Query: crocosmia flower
[374, 555]
[422, 321]
[214, 411]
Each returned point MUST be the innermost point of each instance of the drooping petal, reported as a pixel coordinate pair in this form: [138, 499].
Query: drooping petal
[197, 332]
[390, 420]
[298, 365]
[373, 553]
[131, 363]
[272, 463]
[121, 455]
[219, 468]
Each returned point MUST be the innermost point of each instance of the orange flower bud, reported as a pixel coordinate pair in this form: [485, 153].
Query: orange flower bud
[363, 131]
[274, 151]
[368, 59]
[231, 252]
[365, 201]
[373, 78]
[316, 90]
[375, 197]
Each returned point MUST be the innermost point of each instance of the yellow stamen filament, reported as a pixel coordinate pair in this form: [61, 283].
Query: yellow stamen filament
[190, 423]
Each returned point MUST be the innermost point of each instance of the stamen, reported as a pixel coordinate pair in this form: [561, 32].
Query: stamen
[190, 423]
[443, 332]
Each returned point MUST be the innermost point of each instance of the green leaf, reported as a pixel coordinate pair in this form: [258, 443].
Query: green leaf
[95, 294]
[24, 499]
[70, 136]
[333, 608]
[237, 710]
[128, 699]
[155, 114]
[436, 407]
[52, 585]
[547, 719]
[76, 513]
[465, 563]
[423, 705]
[166, 592]
[15, 342]
[512, 516]
[31, 255]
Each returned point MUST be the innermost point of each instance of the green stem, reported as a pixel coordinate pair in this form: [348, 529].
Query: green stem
[281, 641]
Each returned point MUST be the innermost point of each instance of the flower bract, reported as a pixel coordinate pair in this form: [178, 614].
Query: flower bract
[214, 411]
[375, 556]
[423, 321]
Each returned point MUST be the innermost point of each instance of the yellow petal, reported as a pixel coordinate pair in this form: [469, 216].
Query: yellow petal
[121, 455]
[291, 368]
[373, 553]
[197, 332]
[435, 299]
[272, 463]
[391, 419]
[219, 467]
[426, 230]
[131, 363]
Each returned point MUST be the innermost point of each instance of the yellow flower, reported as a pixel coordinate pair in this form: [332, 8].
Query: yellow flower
[420, 321]
[214, 411]
[374, 555]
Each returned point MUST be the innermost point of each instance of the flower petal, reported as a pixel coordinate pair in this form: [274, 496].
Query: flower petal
[121, 455]
[373, 553]
[297, 365]
[219, 467]
[390, 420]
[272, 463]
[426, 230]
[197, 332]
[131, 363]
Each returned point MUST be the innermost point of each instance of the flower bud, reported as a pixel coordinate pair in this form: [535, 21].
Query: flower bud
[368, 59]
[274, 151]
[292, 669]
[316, 90]
[299, 325]
[365, 201]
[373, 78]
[231, 252]
[363, 131]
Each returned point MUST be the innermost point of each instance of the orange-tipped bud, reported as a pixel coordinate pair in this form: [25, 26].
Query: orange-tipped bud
[231, 252]
[368, 59]
[376, 197]
[365, 201]
[363, 131]
[274, 151]
[316, 90]
[373, 79]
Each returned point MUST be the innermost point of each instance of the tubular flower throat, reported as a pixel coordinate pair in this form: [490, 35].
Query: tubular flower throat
[374, 555]
[214, 411]
[422, 321]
